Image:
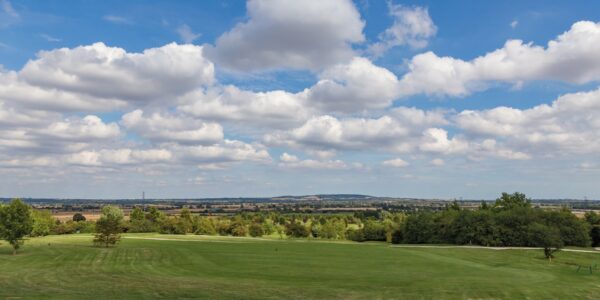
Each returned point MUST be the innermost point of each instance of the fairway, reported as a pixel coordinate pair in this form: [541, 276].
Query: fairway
[172, 266]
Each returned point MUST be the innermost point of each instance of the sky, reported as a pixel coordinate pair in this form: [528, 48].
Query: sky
[192, 99]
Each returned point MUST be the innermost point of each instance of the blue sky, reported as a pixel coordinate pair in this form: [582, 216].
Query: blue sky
[228, 98]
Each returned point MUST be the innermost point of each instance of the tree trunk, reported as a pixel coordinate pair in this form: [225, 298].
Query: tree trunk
[14, 251]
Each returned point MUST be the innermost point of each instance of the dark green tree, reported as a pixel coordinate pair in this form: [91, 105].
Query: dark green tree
[78, 217]
[136, 214]
[16, 222]
[545, 237]
[510, 201]
[109, 227]
[256, 230]
[295, 229]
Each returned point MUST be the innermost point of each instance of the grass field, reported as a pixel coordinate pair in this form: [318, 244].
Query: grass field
[168, 266]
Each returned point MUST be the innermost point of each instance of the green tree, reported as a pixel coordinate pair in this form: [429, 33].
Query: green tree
[154, 215]
[15, 223]
[136, 214]
[256, 230]
[109, 226]
[238, 228]
[510, 201]
[546, 237]
[43, 223]
[295, 229]
[78, 217]
[186, 221]
[205, 226]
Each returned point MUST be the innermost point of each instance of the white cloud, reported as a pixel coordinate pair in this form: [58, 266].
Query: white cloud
[123, 156]
[18, 93]
[88, 128]
[571, 57]
[61, 136]
[436, 140]
[308, 34]
[357, 86]
[412, 26]
[398, 132]
[514, 24]
[172, 128]
[396, 163]
[85, 158]
[568, 125]
[186, 34]
[29, 162]
[292, 161]
[278, 109]
[111, 73]
[49, 38]
[327, 132]
[117, 19]
[226, 152]
[353, 87]
[437, 162]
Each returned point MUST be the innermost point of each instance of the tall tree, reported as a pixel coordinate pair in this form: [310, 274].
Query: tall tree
[514, 200]
[109, 226]
[15, 223]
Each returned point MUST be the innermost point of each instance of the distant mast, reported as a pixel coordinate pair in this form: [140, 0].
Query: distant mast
[143, 195]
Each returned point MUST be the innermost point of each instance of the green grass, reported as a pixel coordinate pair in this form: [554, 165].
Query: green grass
[168, 266]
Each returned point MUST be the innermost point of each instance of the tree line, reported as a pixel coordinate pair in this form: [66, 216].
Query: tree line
[510, 221]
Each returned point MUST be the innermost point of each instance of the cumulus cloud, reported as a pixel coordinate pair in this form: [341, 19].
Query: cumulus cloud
[89, 127]
[159, 127]
[396, 132]
[353, 87]
[571, 57]
[124, 156]
[396, 163]
[226, 152]
[412, 26]
[568, 125]
[291, 161]
[278, 109]
[176, 115]
[290, 34]
[104, 72]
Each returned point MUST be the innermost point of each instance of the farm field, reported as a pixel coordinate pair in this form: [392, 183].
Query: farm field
[176, 266]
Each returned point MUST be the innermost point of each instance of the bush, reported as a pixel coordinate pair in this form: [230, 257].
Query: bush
[205, 226]
[256, 230]
[43, 223]
[171, 225]
[356, 235]
[142, 225]
[238, 228]
[296, 230]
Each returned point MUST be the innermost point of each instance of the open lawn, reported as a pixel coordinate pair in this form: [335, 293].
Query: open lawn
[170, 266]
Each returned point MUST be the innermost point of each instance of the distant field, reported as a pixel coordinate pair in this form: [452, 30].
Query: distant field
[170, 266]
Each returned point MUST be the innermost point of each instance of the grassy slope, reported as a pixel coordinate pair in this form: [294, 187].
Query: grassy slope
[192, 266]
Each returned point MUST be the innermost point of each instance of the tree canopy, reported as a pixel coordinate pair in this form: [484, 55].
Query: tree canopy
[16, 222]
[109, 226]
